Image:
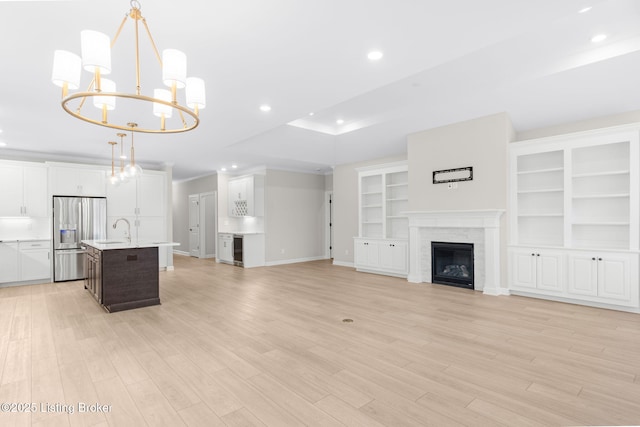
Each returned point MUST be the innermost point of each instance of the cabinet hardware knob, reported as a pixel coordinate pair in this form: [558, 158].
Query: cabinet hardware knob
[599, 259]
[537, 254]
[533, 254]
[593, 259]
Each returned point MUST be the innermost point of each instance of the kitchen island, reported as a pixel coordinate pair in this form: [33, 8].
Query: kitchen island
[122, 275]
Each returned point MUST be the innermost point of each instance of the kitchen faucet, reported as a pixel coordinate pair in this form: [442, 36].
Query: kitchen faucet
[128, 227]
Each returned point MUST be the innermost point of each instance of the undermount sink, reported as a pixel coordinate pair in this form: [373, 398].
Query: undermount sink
[110, 242]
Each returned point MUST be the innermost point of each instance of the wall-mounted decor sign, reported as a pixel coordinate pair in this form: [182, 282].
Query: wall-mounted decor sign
[453, 175]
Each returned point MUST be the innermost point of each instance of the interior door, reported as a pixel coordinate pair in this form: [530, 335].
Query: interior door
[194, 225]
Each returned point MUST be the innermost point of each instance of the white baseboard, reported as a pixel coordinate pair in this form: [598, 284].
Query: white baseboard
[496, 291]
[170, 268]
[343, 264]
[177, 252]
[293, 261]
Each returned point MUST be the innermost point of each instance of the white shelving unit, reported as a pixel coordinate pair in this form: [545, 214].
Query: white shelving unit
[574, 203]
[382, 244]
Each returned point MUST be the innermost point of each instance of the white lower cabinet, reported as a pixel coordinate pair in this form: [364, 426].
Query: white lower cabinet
[583, 276]
[606, 277]
[25, 261]
[9, 270]
[385, 256]
[537, 270]
[35, 260]
[225, 247]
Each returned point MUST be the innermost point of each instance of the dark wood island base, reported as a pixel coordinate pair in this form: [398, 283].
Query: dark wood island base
[123, 279]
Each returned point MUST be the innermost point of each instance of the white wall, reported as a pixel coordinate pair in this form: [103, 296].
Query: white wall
[294, 216]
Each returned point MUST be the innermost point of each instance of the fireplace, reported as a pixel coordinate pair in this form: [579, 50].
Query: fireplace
[452, 264]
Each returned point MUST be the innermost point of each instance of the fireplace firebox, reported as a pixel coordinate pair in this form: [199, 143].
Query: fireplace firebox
[452, 264]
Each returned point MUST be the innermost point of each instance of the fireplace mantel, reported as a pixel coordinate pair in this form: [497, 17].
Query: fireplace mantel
[482, 227]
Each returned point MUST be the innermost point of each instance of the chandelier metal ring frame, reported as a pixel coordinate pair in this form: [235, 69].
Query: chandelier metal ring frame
[67, 70]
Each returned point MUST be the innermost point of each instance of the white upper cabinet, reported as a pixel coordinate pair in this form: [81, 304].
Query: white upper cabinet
[146, 196]
[77, 181]
[25, 190]
[246, 196]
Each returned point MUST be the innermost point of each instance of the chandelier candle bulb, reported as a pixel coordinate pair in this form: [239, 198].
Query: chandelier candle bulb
[67, 67]
[195, 94]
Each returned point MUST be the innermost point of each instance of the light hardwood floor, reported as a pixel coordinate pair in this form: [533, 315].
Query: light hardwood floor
[268, 346]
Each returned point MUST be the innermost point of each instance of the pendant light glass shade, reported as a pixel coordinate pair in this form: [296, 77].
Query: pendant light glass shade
[66, 69]
[195, 93]
[96, 51]
[174, 68]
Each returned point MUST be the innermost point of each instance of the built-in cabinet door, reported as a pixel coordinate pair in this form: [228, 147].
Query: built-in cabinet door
[536, 269]
[613, 277]
[35, 192]
[523, 269]
[225, 247]
[583, 274]
[35, 261]
[151, 195]
[69, 181]
[549, 271]
[121, 199]
[393, 256]
[367, 254]
[11, 190]
[8, 262]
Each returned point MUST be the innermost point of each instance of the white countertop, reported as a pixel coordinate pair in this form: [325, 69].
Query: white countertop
[243, 233]
[105, 245]
[26, 239]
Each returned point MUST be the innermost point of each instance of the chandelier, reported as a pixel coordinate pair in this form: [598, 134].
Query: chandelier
[101, 92]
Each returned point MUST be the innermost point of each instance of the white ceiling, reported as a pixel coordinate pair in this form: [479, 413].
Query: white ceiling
[444, 62]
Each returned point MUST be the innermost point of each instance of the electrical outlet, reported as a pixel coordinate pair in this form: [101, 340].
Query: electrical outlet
[346, 251]
[281, 251]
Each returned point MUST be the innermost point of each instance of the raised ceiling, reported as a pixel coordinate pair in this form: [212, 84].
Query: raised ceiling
[444, 62]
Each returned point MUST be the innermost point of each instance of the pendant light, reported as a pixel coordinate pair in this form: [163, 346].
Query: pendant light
[133, 170]
[122, 175]
[113, 179]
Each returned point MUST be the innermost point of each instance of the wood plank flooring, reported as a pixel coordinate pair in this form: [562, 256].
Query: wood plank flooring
[268, 347]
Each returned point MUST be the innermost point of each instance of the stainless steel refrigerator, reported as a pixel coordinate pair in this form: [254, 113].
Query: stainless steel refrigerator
[75, 219]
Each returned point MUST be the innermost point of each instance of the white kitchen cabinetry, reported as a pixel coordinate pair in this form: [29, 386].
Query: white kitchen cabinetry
[382, 244]
[9, 270]
[25, 190]
[574, 200]
[246, 196]
[35, 260]
[145, 196]
[225, 248]
[142, 201]
[28, 261]
[77, 181]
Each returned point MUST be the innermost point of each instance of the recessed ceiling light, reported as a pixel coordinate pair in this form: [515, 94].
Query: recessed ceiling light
[265, 108]
[234, 166]
[339, 121]
[375, 55]
[311, 114]
[598, 38]
[223, 169]
[585, 9]
[3, 144]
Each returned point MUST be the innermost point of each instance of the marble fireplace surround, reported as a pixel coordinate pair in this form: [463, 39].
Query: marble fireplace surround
[480, 227]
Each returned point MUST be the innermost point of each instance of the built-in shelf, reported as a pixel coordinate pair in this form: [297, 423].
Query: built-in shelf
[542, 190]
[542, 215]
[601, 196]
[527, 172]
[605, 173]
